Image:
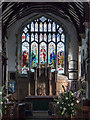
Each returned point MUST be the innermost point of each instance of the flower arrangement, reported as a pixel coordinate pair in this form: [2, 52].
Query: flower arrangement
[3, 101]
[67, 102]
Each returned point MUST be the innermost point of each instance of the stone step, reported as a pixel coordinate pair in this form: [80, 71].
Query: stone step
[40, 115]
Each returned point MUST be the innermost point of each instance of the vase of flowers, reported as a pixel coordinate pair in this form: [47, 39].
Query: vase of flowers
[67, 102]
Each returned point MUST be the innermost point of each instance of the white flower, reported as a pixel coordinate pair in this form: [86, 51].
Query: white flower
[72, 94]
[0, 93]
[62, 102]
[72, 110]
[1, 103]
[68, 104]
[57, 102]
[72, 104]
[60, 107]
[66, 98]
[64, 108]
[5, 107]
[77, 101]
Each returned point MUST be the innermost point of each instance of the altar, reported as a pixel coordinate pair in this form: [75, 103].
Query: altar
[42, 82]
[40, 102]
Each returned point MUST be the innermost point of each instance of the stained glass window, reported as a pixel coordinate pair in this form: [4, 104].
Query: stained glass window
[41, 26]
[40, 36]
[51, 54]
[36, 26]
[27, 37]
[34, 54]
[60, 57]
[49, 37]
[58, 37]
[43, 19]
[32, 26]
[43, 53]
[63, 38]
[25, 30]
[53, 37]
[60, 30]
[49, 27]
[32, 37]
[23, 37]
[36, 37]
[25, 57]
[45, 27]
[53, 27]
[45, 37]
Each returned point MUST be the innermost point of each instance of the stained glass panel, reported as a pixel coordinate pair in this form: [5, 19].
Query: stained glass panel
[51, 54]
[34, 54]
[45, 27]
[27, 37]
[53, 27]
[36, 26]
[45, 37]
[58, 37]
[53, 37]
[41, 37]
[60, 57]
[43, 19]
[60, 30]
[32, 26]
[36, 37]
[25, 57]
[41, 26]
[49, 37]
[43, 53]
[28, 26]
[25, 30]
[49, 27]
[57, 26]
[23, 37]
[63, 38]
[32, 37]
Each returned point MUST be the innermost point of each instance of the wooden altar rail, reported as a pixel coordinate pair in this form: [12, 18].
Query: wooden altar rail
[84, 113]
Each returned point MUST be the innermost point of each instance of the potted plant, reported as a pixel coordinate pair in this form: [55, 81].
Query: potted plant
[67, 102]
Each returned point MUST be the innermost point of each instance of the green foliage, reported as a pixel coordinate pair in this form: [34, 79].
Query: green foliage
[3, 101]
[67, 102]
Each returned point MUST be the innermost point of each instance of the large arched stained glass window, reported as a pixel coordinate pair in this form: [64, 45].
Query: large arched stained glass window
[43, 42]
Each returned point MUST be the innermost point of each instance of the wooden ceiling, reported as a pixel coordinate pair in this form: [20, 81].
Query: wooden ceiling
[75, 12]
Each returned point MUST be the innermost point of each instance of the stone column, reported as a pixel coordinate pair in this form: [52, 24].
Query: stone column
[35, 78]
[29, 92]
[50, 82]
[87, 62]
[56, 82]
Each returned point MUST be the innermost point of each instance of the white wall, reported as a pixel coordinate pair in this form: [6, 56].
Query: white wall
[70, 29]
[71, 33]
